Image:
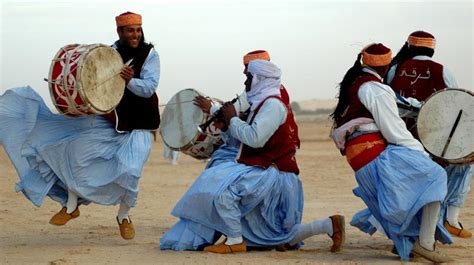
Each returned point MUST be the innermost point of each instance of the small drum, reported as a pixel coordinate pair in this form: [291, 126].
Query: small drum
[179, 126]
[85, 79]
[445, 125]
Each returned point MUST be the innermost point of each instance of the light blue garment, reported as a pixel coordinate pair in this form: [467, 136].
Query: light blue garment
[395, 186]
[53, 153]
[225, 153]
[269, 118]
[263, 205]
[459, 185]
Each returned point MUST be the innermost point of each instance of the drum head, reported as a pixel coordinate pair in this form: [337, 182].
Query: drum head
[436, 121]
[100, 79]
[180, 119]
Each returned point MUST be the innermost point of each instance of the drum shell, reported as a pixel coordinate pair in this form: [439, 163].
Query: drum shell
[85, 80]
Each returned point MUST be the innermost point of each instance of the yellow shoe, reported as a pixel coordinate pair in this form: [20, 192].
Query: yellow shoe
[222, 248]
[61, 218]
[462, 233]
[127, 230]
[435, 255]
[338, 232]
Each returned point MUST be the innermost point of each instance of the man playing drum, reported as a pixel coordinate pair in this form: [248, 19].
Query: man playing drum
[399, 183]
[85, 159]
[414, 74]
[230, 149]
[255, 200]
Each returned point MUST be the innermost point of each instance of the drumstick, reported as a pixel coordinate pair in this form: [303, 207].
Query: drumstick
[451, 133]
[129, 62]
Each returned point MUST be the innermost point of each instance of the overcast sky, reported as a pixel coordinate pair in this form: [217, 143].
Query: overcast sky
[201, 43]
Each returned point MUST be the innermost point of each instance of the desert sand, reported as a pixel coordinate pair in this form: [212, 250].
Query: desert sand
[93, 238]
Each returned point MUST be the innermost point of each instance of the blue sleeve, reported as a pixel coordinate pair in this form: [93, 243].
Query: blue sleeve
[146, 85]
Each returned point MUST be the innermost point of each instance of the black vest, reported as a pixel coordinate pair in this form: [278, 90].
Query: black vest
[135, 112]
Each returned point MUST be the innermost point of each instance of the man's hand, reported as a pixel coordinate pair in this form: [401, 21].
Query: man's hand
[220, 124]
[127, 73]
[228, 111]
[203, 103]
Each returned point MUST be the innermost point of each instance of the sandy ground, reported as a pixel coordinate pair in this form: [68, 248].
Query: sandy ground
[93, 238]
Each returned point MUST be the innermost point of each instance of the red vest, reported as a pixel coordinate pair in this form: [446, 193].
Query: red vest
[356, 109]
[279, 150]
[417, 79]
[284, 95]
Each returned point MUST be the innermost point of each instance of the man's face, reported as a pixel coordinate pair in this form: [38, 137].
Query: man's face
[248, 81]
[130, 35]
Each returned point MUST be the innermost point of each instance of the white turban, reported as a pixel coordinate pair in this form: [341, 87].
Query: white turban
[266, 82]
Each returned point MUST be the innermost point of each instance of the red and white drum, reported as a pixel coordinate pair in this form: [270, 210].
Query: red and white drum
[445, 125]
[85, 79]
[179, 126]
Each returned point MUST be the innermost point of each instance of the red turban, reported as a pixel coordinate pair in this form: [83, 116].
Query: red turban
[376, 55]
[127, 19]
[259, 54]
[422, 39]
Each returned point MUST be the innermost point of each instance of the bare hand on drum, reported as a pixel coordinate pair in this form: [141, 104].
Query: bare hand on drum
[228, 112]
[127, 73]
[203, 103]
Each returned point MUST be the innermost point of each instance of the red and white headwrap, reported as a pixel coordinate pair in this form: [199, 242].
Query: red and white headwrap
[128, 19]
[376, 55]
[254, 55]
[422, 39]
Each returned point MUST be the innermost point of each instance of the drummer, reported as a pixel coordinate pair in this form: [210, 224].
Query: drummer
[83, 160]
[256, 198]
[414, 73]
[230, 149]
[397, 181]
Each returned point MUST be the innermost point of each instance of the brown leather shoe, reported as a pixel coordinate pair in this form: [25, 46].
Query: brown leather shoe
[61, 218]
[462, 233]
[339, 232]
[127, 230]
[435, 255]
[222, 248]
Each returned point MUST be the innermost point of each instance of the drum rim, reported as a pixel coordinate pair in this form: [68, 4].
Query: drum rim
[452, 161]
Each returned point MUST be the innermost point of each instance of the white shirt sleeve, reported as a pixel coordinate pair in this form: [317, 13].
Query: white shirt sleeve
[379, 99]
[449, 79]
[146, 85]
[269, 118]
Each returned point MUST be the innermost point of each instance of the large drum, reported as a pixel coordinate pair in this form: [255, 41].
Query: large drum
[85, 79]
[179, 126]
[445, 125]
